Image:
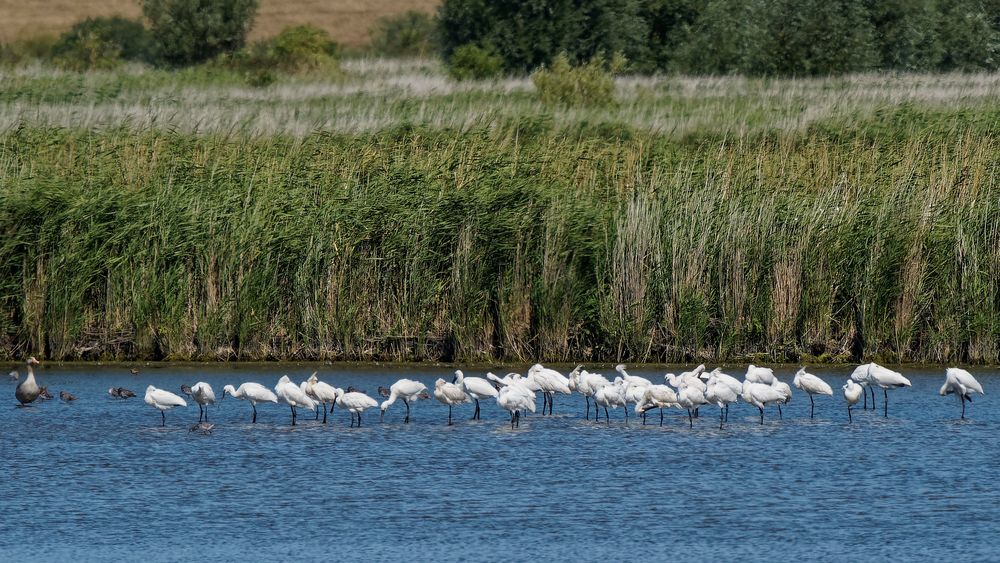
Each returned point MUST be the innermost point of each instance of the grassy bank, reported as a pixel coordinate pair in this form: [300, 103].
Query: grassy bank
[867, 226]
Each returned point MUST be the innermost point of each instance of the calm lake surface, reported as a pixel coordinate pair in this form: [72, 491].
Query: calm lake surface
[99, 479]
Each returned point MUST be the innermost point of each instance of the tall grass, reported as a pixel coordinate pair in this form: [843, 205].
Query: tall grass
[871, 238]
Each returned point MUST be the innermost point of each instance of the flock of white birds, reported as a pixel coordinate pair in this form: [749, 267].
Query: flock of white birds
[517, 394]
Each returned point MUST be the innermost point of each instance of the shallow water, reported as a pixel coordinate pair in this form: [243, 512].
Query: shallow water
[99, 479]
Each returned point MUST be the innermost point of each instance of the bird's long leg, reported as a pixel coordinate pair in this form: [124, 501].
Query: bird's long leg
[293, 414]
[873, 399]
[407, 419]
[885, 402]
[780, 416]
[254, 407]
[626, 413]
[643, 418]
[606, 417]
[761, 409]
[449, 415]
[359, 419]
[865, 406]
[721, 412]
[475, 413]
[551, 401]
[163, 419]
[812, 407]
[690, 419]
[727, 412]
[661, 416]
[323, 406]
[206, 413]
[586, 398]
[962, 398]
[850, 419]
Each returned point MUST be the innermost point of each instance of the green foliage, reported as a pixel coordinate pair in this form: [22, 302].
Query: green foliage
[129, 38]
[907, 34]
[302, 48]
[527, 34]
[969, 37]
[187, 32]
[27, 49]
[88, 52]
[411, 34]
[590, 84]
[472, 62]
[725, 38]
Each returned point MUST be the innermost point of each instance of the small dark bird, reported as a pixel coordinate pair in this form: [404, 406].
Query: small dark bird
[120, 393]
[67, 397]
[134, 371]
[424, 395]
[384, 391]
[186, 389]
[203, 427]
[43, 394]
[353, 389]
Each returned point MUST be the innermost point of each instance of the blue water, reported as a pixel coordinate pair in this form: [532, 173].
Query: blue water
[99, 479]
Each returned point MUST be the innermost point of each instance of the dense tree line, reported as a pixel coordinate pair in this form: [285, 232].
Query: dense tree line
[786, 37]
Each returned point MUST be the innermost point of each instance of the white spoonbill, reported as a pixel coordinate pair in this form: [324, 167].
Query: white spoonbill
[727, 380]
[588, 385]
[861, 377]
[202, 394]
[852, 394]
[757, 374]
[293, 396]
[886, 379]
[962, 384]
[786, 392]
[253, 393]
[321, 392]
[550, 382]
[690, 397]
[449, 394]
[357, 403]
[612, 396]
[812, 385]
[720, 393]
[405, 390]
[28, 390]
[514, 399]
[163, 400]
[656, 397]
[761, 395]
[476, 387]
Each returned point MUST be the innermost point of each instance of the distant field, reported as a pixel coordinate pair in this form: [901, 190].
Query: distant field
[347, 21]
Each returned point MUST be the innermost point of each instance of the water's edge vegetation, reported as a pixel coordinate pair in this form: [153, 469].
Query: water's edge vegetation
[857, 236]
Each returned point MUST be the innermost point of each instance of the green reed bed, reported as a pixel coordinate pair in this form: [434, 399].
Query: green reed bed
[877, 238]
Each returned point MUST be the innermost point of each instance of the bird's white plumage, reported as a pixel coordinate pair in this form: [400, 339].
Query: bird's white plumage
[254, 393]
[475, 387]
[162, 399]
[356, 402]
[292, 395]
[960, 382]
[811, 384]
[757, 374]
[852, 392]
[404, 389]
[202, 393]
[449, 393]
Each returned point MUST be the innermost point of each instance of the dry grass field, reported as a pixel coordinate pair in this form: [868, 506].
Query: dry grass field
[348, 21]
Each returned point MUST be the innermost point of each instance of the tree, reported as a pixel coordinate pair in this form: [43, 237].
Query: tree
[188, 32]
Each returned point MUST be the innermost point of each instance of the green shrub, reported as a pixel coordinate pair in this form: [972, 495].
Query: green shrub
[472, 62]
[406, 35]
[27, 49]
[89, 52]
[132, 41]
[528, 34]
[907, 34]
[301, 48]
[188, 32]
[968, 37]
[591, 84]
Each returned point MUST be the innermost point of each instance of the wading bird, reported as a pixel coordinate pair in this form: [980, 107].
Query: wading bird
[962, 384]
[293, 396]
[549, 382]
[760, 395]
[253, 393]
[163, 400]
[656, 397]
[405, 390]
[323, 393]
[356, 403]
[886, 379]
[202, 394]
[852, 394]
[721, 394]
[28, 390]
[449, 394]
[514, 399]
[120, 393]
[812, 385]
[66, 396]
[611, 397]
[475, 387]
